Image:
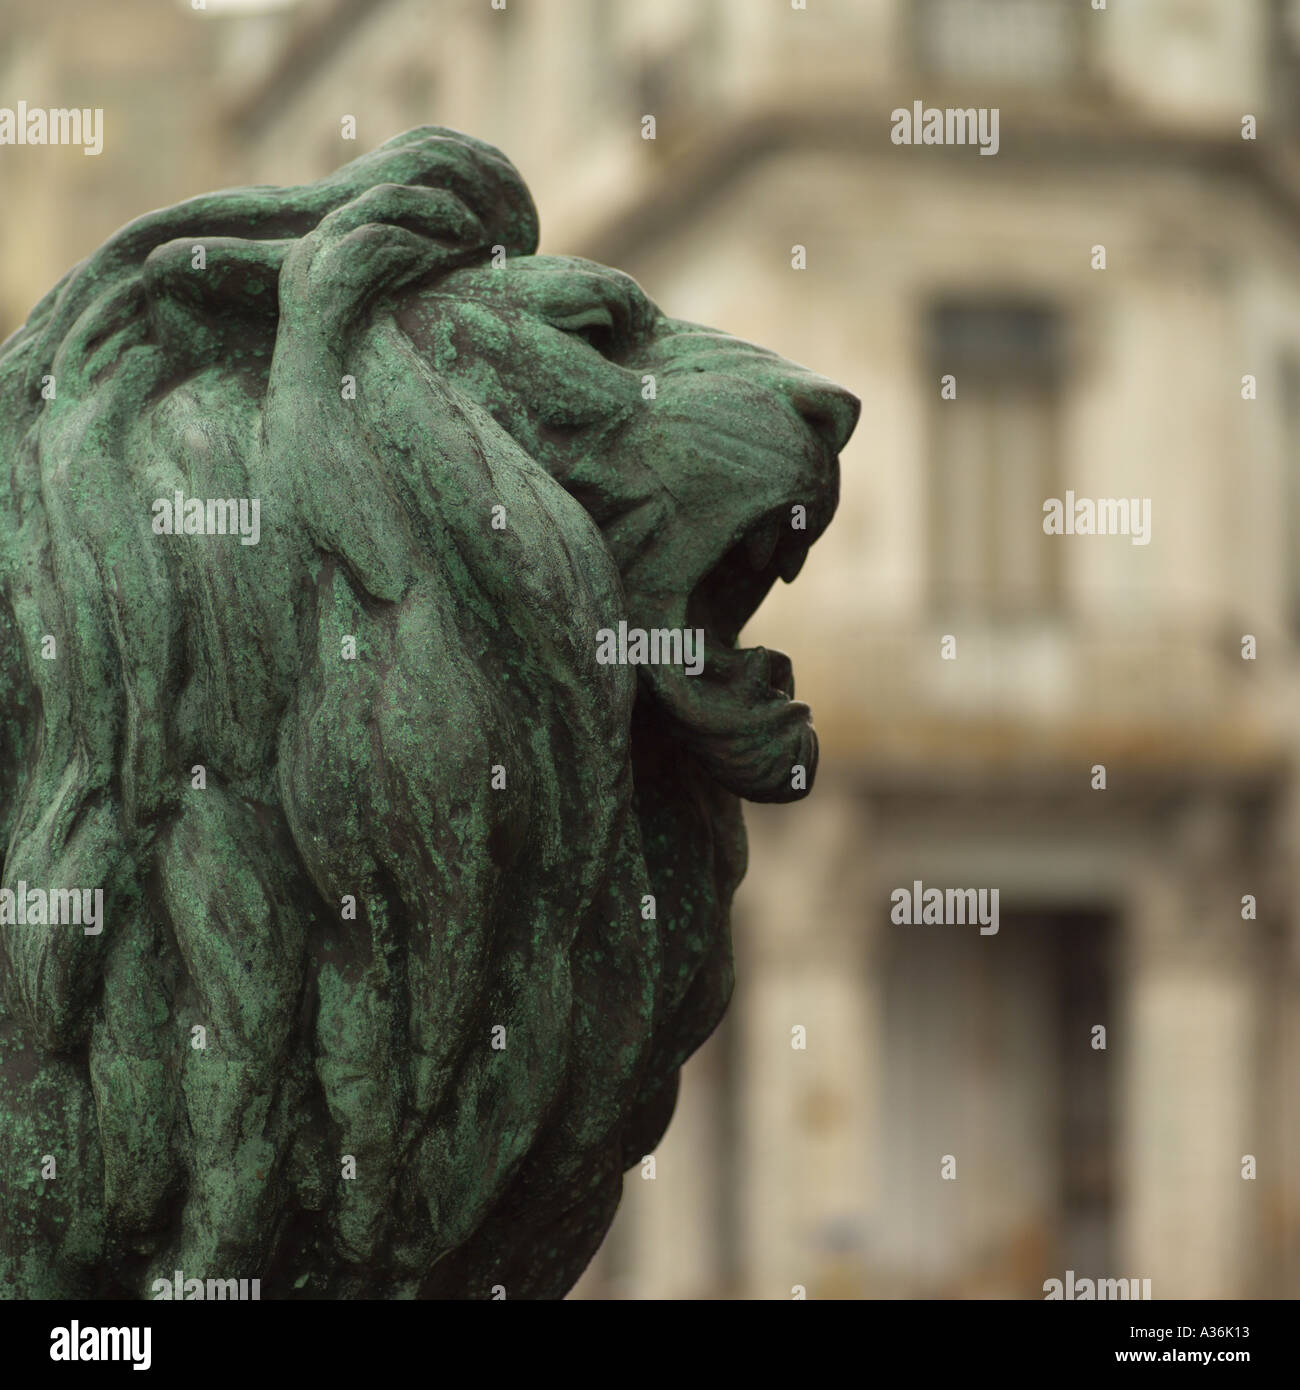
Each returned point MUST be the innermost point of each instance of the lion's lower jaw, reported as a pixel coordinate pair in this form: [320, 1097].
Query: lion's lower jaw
[738, 720]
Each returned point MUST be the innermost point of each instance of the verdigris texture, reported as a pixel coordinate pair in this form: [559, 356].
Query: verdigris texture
[412, 901]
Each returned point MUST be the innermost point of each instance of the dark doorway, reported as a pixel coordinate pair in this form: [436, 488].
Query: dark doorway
[989, 1058]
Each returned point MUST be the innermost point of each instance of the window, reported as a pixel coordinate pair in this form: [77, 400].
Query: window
[668, 63]
[1284, 60]
[994, 458]
[1029, 41]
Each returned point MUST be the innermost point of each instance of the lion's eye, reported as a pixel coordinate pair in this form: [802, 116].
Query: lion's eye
[598, 336]
[595, 327]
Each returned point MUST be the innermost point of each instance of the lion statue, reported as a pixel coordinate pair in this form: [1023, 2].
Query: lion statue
[356, 918]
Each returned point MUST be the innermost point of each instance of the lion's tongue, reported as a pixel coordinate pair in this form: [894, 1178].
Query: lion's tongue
[737, 717]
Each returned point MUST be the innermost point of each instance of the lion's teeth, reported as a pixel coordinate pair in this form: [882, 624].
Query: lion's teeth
[789, 565]
[780, 673]
[761, 543]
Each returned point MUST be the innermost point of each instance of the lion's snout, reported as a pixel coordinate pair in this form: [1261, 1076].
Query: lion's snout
[829, 411]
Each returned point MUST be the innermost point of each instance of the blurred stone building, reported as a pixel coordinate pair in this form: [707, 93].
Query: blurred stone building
[1120, 132]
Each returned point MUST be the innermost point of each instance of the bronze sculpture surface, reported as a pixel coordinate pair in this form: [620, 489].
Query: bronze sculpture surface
[373, 734]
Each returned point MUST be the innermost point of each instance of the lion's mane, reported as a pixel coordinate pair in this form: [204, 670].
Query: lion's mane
[376, 1009]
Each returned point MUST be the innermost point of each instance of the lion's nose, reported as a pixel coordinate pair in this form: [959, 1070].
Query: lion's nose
[829, 411]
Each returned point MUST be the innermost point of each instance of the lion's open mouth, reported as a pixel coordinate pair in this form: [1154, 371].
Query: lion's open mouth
[739, 715]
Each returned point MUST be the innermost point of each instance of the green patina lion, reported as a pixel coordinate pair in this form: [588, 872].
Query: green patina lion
[411, 908]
